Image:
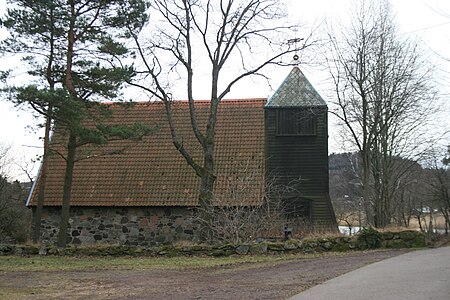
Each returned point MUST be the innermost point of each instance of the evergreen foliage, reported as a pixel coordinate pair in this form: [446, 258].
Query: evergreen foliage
[369, 238]
[76, 55]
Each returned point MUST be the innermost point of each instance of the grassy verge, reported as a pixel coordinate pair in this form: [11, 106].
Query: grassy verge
[64, 263]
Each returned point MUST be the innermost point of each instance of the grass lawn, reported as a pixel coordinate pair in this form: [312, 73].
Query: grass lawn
[71, 263]
[130, 277]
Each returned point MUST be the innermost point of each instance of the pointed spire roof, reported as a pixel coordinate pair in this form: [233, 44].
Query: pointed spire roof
[295, 91]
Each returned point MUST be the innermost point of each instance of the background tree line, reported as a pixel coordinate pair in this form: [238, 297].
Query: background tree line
[418, 197]
[385, 102]
[14, 216]
[424, 192]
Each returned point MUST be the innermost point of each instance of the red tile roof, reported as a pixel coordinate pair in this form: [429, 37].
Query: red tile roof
[153, 173]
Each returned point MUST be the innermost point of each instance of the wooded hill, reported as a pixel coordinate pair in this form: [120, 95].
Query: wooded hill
[415, 192]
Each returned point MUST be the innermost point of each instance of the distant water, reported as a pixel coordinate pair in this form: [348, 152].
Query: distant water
[345, 230]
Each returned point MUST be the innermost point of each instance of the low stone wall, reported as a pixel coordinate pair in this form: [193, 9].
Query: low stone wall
[405, 239]
[132, 226]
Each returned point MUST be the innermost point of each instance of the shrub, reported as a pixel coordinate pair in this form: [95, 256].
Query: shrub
[369, 238]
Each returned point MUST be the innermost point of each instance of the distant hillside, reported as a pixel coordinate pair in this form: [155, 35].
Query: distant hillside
[344, 170]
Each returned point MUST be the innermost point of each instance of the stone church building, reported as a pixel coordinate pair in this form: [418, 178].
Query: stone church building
[143, 193]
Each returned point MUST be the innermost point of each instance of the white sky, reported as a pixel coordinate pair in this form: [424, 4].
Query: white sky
[421, 19]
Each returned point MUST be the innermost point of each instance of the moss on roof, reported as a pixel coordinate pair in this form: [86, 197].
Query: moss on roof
[295, 91]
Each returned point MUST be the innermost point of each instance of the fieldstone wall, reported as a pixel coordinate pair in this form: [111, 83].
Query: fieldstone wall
[405, 239]
[133, 226]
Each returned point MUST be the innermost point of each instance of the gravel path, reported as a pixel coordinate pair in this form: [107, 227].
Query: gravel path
[278, 280]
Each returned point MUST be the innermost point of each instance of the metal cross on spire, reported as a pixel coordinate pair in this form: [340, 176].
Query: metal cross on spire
[295, 41]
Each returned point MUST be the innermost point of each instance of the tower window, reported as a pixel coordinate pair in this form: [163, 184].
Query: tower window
[296, 122]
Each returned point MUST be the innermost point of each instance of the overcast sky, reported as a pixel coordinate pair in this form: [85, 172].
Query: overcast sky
[428, 21]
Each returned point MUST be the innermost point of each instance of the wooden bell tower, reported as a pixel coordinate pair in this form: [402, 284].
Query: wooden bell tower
[296, 133]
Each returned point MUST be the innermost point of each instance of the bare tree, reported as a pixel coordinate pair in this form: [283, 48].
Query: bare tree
[345, 188]
[439, 186]
[14, 217]
[27, 168]
[5, 159]
[346, 214]
[221, 37]
[384, 100]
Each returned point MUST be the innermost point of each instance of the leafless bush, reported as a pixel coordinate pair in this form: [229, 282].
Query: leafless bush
[237, 215]
[239, 223]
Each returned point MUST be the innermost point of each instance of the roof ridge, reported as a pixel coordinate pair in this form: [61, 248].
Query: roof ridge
[143, 103]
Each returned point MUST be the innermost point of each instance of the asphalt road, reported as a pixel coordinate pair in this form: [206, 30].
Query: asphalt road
[421, 274]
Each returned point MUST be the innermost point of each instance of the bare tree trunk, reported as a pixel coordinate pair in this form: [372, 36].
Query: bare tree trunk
[366, 187]
[447, 223]
[208, 145]
[419, 221]
[206, 188]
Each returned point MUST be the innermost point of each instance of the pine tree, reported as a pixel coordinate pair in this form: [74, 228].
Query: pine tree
[76, 55]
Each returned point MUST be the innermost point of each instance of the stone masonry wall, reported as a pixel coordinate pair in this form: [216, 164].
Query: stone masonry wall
[134, 226]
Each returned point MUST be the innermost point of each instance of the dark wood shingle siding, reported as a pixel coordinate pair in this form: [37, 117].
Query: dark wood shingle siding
[301, 162]
[290, 158]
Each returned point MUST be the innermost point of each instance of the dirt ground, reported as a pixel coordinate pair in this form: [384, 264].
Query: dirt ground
[277, 280]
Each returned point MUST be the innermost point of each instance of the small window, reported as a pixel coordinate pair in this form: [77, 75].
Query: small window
[296, 122]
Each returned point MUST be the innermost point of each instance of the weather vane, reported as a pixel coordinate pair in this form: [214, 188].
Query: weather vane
[295, 41]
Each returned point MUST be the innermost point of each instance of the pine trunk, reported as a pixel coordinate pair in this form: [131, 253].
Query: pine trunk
[65, 208]
[41, 194]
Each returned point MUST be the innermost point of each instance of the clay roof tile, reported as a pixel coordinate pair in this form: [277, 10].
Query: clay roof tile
[152, 172]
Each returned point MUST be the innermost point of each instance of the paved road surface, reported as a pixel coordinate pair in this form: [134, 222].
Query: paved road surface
[417, 275]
